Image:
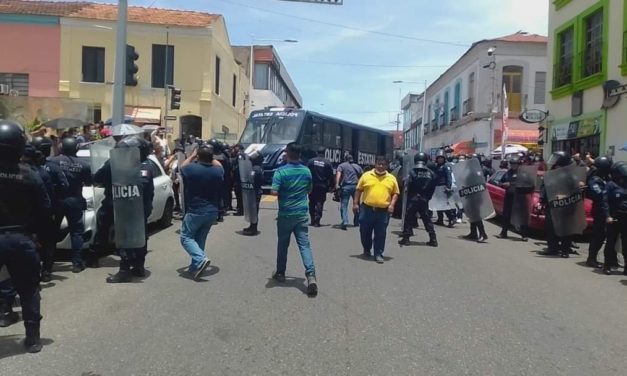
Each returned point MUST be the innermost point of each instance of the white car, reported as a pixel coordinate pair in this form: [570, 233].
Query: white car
[162, 205]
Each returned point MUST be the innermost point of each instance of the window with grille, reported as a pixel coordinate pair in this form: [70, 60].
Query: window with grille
[593, 47]
[564, 68]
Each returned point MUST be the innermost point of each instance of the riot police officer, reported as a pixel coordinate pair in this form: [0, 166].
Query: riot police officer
[616, 215]
[132, 260]
[323, 181]
[78, 174]
[420, 187]
[598, 177]
[444, 177]
[509, 183]
[43, 146]
[218, 152]
[24, 203]
[256, 159]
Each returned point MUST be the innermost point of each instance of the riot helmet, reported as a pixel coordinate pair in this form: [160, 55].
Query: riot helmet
[31, 154]
[136, 142]
[43, 144]
[217, 145]
[12, 140]
[603, 165]
[69, 146]
[440, 158]
[619, 173]
[560, 159]
[256, 158]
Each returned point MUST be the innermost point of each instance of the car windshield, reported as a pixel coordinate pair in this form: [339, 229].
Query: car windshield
[272, 128]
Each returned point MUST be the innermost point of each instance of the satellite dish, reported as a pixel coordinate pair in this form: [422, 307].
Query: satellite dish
[610, 101]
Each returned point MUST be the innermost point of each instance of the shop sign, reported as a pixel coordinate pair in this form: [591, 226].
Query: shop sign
[533, 116]
[575, 129]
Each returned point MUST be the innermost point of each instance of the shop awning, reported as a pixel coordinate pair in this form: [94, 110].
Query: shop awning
[144, 115]
[517, 136]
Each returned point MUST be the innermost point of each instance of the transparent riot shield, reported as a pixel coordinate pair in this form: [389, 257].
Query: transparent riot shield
[525, 186]
[128, 203]
[442, 200]
[249, 197]
[472, 190]
[98, 156]
[408, 164]
[566, 200]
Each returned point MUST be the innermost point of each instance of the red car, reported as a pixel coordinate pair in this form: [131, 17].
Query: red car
[536, 222]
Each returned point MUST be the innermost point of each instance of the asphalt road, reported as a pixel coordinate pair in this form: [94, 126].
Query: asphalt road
[460, 309]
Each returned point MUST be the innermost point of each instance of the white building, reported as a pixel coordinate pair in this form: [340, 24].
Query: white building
[411, 106]
[588, 48]
[459, 102]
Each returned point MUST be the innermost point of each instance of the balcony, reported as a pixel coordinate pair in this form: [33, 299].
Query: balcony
[434, 125]
[468, 106]
[454, 114]
[441, 121]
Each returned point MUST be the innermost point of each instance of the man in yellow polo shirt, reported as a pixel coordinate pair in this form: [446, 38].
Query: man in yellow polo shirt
[379, 191]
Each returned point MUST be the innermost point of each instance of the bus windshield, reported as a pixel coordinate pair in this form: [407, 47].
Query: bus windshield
[272, 128]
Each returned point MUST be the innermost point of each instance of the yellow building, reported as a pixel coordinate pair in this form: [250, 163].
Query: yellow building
[199, 61]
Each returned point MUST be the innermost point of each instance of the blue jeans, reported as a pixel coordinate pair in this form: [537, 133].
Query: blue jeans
[285, 227]
[194, 233]
[346, 194]
[373, 220]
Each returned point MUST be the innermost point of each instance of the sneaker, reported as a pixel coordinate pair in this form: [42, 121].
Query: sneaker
[379, 259]
[312, 286]
[279, 276]
[203, 266]
[524, 239]
[482, 239]
[78, 268]
[459, 220]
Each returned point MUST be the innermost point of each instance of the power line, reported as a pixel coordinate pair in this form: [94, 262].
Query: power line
[365, 65]
[392, 35]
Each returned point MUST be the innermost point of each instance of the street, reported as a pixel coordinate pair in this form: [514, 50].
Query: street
[462, 308]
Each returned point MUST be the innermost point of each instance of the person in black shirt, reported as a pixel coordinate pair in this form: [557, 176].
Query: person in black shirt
[323, 181]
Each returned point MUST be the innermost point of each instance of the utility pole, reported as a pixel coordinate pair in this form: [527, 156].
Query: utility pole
[119, 81]
[424, 119]
[492, 67]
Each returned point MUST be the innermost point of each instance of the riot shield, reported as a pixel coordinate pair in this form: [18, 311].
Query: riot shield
[565, 199]
[98, 156]
[472, 190]
[408, 164]
[249, 197]
[128, 203]
[525, 185]
[442, 200]
[180, 158]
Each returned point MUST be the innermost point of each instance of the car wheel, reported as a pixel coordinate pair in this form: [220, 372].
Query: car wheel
[166, 218]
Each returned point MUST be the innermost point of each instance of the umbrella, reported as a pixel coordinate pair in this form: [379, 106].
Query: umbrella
[127, 120]
[126, 130]
[63, 123]
[150, 127]
[511, 149]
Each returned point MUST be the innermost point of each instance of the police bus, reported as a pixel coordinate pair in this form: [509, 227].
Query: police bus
[271, 129]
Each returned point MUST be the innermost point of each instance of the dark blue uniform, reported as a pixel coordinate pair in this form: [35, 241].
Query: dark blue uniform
[511, 177]
[322, 181]
[616, 207]
[420, 188]
[24, 204]
[257, 184]
[597, 192]
[78, 174]
[444, 177]
[104, 216]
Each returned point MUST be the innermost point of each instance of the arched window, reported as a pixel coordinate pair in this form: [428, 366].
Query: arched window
[470, 102]
[446, 108]
[457, 101]
[512, 79]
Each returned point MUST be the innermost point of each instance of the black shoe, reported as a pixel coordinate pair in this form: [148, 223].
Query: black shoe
[220, 219]
[625, 271]
[92, 262]
[548, 252]
[607, 270]
[250, 231]
[470, 237]
[343, 227]
[238, 214]
[46, 277]
[7, 316]
[432, 243]
[564, 254]
[316, 224]
[524, 239]
[123, 276]
[78, 268]
[312, 286]
[439, 223]
[482, 239]
[279, 277]
[451, 224]
[404, 240]
[502, 235]
[32, 341]
[366, 254]
[592, 263]
[139, 272]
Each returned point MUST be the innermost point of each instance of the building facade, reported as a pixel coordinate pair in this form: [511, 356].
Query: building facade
[411, 112]
[188, 50]
[271, 82]
[461, 102]
[587, 45]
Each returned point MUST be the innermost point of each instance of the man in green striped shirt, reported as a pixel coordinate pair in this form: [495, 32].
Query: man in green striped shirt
[292, 183]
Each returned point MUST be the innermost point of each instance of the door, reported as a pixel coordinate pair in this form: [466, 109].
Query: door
[191, 125]
[512, 79]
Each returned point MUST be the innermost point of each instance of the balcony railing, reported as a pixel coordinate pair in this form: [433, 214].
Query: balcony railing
[468, 106]
[441, 119]
[591, 61]
[454, 114]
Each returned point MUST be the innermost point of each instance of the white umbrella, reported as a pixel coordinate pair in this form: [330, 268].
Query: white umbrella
[126, 130]
[511, 149]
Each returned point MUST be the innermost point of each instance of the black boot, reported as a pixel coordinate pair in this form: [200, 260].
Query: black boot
[470, 236]
[123, 276]
[33, 340]
[433, 241]
[404, 240]
[251, 230]
[607, 269]
[482, 238]
[502, 235]
[7, 316]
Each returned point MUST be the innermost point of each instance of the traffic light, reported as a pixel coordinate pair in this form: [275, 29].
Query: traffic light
[175, 98]
[131, 67]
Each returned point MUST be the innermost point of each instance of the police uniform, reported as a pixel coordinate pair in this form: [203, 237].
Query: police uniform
[616, 208]
[256, 159]
[511, 177]
[444, 177]
[322, 175]
[597, 192]
[78, 174]
[24, 203]
[420, 188]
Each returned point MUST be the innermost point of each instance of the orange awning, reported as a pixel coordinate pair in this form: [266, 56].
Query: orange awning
[518, 136]
[464, 147]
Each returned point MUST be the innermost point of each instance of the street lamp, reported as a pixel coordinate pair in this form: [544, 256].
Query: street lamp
[252, 59]
[492, 66]
[424, 109]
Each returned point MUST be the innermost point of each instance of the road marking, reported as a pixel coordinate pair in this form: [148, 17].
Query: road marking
[268, 199]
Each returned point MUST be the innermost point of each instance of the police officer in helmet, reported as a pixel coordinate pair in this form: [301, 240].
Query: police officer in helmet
[420, 188]
[616, 215]
[444, 177]
[218, 155]
[78, 174]
[598, 177]
[508, 182]
[24, 203]
[256, 159]
[323, 182]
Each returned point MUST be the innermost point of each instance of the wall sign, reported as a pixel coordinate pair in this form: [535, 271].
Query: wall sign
[533, 116]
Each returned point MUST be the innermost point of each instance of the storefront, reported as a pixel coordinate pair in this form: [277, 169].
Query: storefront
[578, 135]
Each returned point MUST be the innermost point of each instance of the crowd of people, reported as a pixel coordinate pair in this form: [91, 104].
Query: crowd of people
[41, 181]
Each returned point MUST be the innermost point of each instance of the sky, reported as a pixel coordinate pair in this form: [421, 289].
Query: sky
[406, 40]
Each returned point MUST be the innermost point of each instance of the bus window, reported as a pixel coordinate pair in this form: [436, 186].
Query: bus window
[313, 132]
[368, 142]
[332, 135]
[347, 138]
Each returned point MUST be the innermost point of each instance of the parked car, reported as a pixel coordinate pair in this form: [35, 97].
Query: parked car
[536, 221]
[162, 204]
